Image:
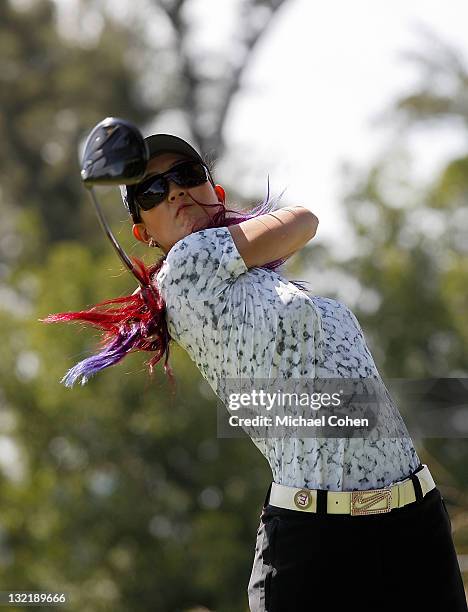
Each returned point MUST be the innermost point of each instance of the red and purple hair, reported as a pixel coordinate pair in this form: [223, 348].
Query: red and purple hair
[137, 322]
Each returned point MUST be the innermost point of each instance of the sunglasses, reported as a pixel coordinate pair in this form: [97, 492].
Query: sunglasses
[155, 189]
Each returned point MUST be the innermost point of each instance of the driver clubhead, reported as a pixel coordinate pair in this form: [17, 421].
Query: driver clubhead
[115, 154]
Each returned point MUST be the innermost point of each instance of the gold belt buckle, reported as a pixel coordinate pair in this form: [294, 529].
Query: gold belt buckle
[374, 501]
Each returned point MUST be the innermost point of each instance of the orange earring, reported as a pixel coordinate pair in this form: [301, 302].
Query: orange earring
[220, 193]
[136, 233]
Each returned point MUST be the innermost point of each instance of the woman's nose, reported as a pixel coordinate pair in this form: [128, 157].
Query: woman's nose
[175, 191]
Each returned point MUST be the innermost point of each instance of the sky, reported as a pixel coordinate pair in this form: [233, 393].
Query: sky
[314, 92]
[323, 73]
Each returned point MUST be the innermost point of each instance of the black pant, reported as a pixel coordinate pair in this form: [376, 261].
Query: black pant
[400, 561]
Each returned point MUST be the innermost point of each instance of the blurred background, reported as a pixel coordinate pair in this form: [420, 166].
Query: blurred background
[119, 493]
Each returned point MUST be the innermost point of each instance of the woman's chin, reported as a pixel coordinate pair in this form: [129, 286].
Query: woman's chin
[200, 224]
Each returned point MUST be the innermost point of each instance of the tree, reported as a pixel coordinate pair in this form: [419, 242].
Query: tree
[118, 488]
[411, 257]
[52, 91]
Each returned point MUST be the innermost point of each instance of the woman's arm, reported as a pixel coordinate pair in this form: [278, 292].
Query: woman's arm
[275, 235]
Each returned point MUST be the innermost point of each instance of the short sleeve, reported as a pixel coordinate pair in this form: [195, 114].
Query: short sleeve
[201, 265]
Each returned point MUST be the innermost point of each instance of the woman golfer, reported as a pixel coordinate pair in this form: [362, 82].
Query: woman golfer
[347, 523]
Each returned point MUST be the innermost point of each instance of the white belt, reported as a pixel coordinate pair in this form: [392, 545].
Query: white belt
[356, 503]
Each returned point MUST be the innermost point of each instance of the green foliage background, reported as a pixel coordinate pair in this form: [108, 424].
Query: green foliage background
[119, 493]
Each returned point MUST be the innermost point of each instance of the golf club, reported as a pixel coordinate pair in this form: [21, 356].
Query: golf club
[115, 153]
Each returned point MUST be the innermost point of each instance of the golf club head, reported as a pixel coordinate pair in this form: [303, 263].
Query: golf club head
[115, 154]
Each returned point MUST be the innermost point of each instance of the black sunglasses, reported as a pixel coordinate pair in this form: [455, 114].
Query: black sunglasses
[154, 190]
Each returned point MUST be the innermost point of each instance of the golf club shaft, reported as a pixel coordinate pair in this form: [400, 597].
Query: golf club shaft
[107, 230]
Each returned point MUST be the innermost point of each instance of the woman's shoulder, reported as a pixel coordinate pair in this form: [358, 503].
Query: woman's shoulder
[200, 238]
[201, 265]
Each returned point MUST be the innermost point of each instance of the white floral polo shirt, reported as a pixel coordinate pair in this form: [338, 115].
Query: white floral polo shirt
[240, 323]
